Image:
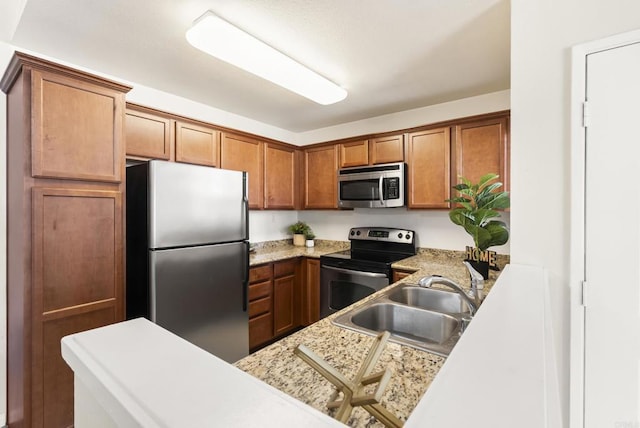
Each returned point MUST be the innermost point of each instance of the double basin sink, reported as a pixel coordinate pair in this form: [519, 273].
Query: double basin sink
[424, 318]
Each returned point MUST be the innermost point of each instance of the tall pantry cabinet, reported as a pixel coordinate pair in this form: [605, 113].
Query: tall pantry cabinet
[65, 227]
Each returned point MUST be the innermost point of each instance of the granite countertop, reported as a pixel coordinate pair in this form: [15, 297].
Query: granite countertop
[273, 251]
[412, 369]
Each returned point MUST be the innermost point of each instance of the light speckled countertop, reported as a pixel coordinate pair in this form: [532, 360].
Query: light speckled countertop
[273, 251]
[412, 369]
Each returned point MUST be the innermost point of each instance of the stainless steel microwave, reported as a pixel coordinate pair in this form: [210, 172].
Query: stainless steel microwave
[375, 186]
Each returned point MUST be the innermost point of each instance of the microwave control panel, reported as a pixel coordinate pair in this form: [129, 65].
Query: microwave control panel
[391, 188]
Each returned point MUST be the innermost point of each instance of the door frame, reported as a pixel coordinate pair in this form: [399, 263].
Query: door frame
[579, 55]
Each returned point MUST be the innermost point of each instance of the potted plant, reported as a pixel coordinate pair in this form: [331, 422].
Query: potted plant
[309, 236]
[299, 230]
[476, 210]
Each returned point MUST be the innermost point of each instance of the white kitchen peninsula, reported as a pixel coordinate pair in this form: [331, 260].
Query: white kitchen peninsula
[136, 374]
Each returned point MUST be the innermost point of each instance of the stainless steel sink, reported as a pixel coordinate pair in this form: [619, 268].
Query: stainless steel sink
[426, 319]
[406, 322]
[429, 298]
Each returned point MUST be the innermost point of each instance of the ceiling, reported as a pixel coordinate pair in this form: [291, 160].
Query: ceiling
[390, 55]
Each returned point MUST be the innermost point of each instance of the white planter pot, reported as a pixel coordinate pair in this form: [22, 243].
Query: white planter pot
[310, 243]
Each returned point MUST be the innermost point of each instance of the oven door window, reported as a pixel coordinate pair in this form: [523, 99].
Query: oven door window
[347, 288]
[343, 293]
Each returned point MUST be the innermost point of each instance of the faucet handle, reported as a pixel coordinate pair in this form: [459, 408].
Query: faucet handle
[476, 277]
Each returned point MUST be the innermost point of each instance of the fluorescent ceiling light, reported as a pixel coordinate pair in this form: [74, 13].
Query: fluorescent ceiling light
[218, 38]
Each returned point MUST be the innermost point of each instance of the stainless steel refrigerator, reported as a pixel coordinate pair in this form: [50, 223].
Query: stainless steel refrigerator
[188, 253]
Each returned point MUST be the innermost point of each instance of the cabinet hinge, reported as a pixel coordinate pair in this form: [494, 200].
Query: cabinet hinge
[586, 114]
[584, 293]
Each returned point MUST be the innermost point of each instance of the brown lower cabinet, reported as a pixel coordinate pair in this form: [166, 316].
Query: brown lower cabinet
[283, 296]
[260, 305]
[311, 291]
[399, 274]
[286, 296]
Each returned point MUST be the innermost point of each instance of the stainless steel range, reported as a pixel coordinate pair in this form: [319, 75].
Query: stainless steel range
[348, 276]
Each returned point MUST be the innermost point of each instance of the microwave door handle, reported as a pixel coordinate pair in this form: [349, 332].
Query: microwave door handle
[380, 193]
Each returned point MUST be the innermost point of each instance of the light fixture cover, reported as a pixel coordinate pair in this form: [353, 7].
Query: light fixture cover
[218, 38]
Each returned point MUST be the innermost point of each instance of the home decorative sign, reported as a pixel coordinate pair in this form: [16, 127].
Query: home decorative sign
[476, 255]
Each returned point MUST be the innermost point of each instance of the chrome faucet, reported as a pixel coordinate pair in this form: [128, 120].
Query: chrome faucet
[477, 282]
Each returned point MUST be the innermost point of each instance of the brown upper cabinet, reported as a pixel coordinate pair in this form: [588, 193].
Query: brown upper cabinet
[73, 123]
[428, 161]
[198, 144]
[482, 147]
[386, 149]
[148, 133]
[320, 177]
[373, 151]
[241, 153]
[280, 176]
[354, 153]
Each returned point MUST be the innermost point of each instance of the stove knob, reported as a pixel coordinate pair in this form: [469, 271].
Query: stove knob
[358, 233]
[408, 236]
[352, 233]
[400, 235]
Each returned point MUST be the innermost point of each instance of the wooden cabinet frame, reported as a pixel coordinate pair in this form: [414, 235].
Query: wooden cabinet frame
[428, 155]
[146, 147]
[202, 147]
[50, 136]
[242, 153]
[470, 158]
[320, 177]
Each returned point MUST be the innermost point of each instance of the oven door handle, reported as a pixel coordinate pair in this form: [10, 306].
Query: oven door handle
[380, 190]
[356, 272]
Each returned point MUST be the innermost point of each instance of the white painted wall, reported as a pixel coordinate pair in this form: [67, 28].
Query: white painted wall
[542, 35]
[495, 101]
[270, 225]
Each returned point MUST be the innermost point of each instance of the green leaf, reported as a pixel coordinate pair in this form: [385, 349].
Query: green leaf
[483, 215]
[480, 235]
[495, 201]
[461, 186]
[488, 189]
[457, 217]
[487, 178]
[499, 233]
[502, 201]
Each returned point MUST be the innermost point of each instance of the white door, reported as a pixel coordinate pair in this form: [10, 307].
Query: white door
[612, 239]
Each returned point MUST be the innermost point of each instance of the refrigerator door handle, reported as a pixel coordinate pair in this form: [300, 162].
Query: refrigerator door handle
[245, 203]
[245, 280]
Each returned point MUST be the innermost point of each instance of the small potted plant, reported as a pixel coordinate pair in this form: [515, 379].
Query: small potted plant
[476, 211]
[309, 236]
[299, 230]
